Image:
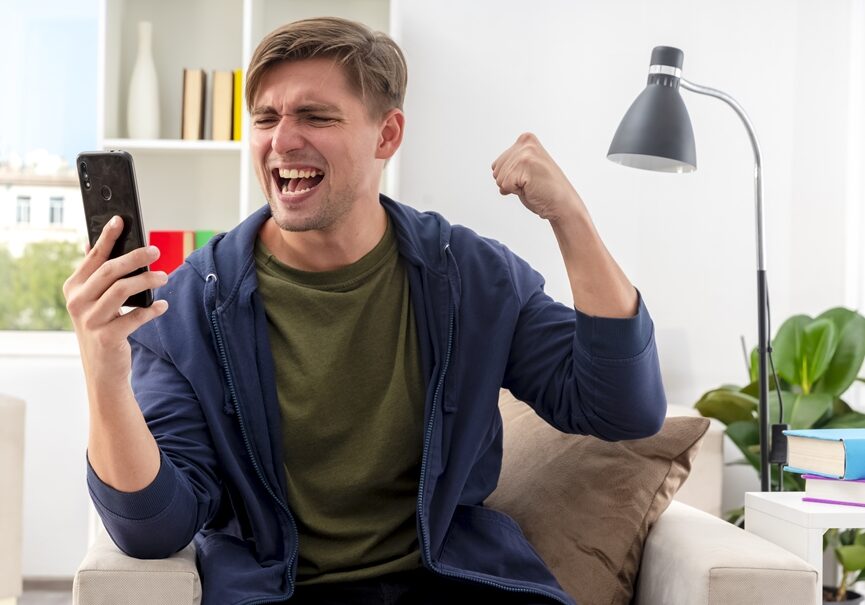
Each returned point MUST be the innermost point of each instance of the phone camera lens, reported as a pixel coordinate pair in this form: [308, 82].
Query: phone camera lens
[106, 192]
[83, 167]
[87, 184]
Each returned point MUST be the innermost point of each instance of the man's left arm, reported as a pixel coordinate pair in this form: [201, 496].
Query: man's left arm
[611, 322]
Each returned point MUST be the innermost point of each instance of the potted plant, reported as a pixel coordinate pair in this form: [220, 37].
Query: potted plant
[849, 548]
[816, 360]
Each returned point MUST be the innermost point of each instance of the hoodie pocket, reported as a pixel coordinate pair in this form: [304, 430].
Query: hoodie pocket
[487, 542]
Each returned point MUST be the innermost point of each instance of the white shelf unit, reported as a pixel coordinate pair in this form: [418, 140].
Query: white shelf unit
[196, 184]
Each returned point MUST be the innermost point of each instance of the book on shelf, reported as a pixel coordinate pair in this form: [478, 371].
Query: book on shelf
[192, 114]
[236, 122]
[175, 246]
[202, 236]
[837, 453]
[849, 492]
[222, 110]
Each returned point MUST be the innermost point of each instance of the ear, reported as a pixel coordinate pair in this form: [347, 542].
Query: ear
[390, 134]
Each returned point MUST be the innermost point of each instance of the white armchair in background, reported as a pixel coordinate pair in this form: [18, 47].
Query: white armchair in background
[11, 497]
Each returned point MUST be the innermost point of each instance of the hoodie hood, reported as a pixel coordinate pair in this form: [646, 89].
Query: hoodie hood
[423, 239]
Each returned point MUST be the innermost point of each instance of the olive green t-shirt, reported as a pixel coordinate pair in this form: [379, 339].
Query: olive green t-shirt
[351, 392]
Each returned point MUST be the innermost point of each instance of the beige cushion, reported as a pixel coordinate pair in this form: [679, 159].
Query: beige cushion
[11, 494]
[586, 504]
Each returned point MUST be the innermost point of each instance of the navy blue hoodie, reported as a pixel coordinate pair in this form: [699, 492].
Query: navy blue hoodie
[203, 375]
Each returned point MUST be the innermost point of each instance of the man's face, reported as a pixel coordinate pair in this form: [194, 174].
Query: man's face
[313, 145]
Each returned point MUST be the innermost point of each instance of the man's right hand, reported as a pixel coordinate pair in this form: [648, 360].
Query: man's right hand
[94, 294]
[121, 449]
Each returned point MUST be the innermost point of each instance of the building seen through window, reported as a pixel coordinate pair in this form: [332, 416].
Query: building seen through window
[44, 123]
[22, 210]
[55, 210]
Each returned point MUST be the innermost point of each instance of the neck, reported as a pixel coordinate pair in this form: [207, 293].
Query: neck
[329, 250]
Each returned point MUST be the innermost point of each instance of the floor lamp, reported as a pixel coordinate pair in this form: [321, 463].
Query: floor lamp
[656, 134]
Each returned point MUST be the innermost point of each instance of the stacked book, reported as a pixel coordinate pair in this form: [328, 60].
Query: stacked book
[225, 105]
[175, 246]
[832, 462]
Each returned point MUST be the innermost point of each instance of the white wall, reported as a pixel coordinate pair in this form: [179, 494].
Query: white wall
[482, 72]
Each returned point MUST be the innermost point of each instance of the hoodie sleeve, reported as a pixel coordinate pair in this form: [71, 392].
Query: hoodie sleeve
[162, 518]
[583, 374]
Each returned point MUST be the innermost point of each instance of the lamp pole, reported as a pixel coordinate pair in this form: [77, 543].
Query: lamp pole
[656, 134]
[762, 296]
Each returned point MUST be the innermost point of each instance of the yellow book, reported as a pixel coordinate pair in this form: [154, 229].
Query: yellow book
[237, 123]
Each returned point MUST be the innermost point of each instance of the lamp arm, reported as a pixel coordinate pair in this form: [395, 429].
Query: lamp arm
[758, 159]
[762, 288]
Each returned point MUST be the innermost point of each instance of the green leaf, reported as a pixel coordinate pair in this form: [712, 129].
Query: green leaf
[819, 341]
[787, 347]
[830, 537]
[806, 410]
[853, 420]
[730, 387]
[860, 538]
[839, 407]
[775, 408]
[727, 406]
[849, 354]
[755, 365]
[753, 388]
[852, 557]
[745, 434]
[735, 516]
[793, 482]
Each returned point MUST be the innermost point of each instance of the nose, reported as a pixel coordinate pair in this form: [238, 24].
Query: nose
[286, 136]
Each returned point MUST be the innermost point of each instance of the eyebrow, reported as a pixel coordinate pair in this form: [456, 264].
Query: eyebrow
[306, 108]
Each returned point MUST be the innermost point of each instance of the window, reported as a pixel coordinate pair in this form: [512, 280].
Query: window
[46, 118]
[22, 210]
[55, 210]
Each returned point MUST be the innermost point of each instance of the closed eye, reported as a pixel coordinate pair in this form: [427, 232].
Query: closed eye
[265, 121]
[319, 119]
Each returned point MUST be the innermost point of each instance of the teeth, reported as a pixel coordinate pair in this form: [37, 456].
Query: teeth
[294, 173]
[285, 190]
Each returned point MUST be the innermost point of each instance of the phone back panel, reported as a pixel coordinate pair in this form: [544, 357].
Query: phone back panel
[112, 192]
[108, 188]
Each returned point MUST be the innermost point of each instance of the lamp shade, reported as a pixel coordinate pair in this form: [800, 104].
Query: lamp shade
[656, 132]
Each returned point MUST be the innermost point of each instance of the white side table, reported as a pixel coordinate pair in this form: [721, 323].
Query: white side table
[783, 518]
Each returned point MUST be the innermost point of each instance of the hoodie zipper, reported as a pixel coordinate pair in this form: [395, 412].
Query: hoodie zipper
[426, 547]
[248, 445]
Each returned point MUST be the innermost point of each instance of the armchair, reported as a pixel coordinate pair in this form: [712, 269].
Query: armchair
[689, 556]
[11, 497]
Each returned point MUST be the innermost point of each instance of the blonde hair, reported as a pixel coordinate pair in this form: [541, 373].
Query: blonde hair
[373, 63]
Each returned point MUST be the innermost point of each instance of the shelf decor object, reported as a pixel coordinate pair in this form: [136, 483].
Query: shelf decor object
[142, 111]
[656, 134]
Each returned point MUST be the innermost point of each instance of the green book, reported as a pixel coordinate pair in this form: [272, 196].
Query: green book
[202, 237]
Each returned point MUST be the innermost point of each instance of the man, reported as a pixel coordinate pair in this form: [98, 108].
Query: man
[317, 406]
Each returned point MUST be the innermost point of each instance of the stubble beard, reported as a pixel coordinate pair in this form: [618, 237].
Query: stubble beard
[328, 213]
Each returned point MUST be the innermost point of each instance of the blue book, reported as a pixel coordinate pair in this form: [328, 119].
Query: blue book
[836, 453]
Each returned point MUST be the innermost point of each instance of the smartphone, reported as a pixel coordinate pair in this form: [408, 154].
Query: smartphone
[108, 188]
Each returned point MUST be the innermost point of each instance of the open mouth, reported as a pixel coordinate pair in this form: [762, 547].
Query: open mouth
[297, 181]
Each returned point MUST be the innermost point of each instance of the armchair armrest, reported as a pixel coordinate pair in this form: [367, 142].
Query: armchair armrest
[691, 557]
[107, 576]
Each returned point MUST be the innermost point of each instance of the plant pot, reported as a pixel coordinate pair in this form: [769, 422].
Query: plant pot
[852, 597]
